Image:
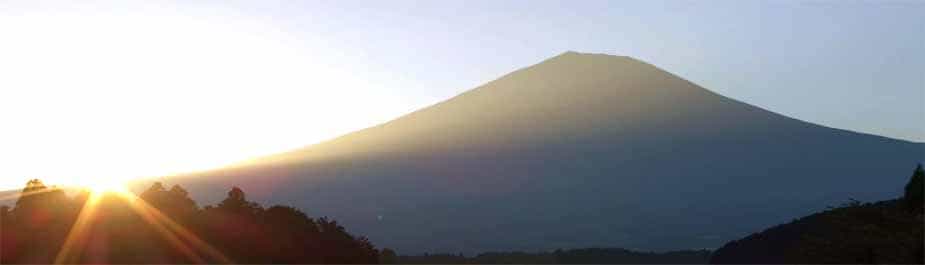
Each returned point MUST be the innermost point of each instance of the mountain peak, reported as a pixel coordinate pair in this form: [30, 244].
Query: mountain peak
[583, 55]
[591, 66]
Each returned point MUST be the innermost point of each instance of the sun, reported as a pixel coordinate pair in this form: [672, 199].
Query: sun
[164, 95]
[105, 185]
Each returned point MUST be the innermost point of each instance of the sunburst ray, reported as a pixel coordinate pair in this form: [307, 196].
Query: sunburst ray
[175, 233]
[77, 237]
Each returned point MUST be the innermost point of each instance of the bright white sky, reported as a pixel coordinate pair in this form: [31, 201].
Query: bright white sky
[103, 91]
[93, 99]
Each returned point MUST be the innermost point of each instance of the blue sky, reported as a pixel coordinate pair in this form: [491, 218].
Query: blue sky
[857, 65]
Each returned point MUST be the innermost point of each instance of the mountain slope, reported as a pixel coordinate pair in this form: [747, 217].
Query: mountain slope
[580, 150]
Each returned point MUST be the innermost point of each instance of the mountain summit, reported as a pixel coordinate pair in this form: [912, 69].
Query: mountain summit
[579, 150]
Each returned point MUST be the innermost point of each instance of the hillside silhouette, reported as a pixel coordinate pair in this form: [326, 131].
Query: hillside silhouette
[165, 226]
[617, 150]
[885, 232]
[572, 256]
[159, 226]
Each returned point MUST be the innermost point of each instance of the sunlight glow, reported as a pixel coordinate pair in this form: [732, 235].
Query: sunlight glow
[98, 100]
[77, 238]
[179, 237]
[176, 234]
[104, 185]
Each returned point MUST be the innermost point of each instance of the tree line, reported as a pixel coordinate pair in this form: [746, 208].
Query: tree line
[885, 232]
[571, 256]
[166, 226]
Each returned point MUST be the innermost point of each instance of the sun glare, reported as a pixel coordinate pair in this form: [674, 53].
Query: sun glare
[104, 186]
[94, 100]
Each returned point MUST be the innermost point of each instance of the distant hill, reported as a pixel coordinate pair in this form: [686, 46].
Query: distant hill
[571, 256]
[580, 150]
[885, 232]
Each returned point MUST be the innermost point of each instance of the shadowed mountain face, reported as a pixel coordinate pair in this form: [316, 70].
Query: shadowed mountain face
[580, 150]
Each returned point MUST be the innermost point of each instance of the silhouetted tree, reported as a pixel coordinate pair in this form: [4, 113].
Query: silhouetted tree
[292, 231]
[859, 233]
[37, 227]
[175, 202]
[388, 256]
[4, 211]
[236, 202]
[235, 228]
[156, 189]
[913, 195]
[38, 223]
[6, 233]
[338, 246]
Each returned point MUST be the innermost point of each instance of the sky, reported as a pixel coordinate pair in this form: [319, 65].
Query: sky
[102, 90]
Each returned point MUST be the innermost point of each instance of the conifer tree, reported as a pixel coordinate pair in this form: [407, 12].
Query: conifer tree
[913, 196]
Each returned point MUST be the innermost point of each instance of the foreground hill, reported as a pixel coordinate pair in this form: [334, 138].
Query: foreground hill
[886, 232]
[580, 150]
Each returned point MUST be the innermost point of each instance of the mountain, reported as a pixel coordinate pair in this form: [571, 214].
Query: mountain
[580, 150]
